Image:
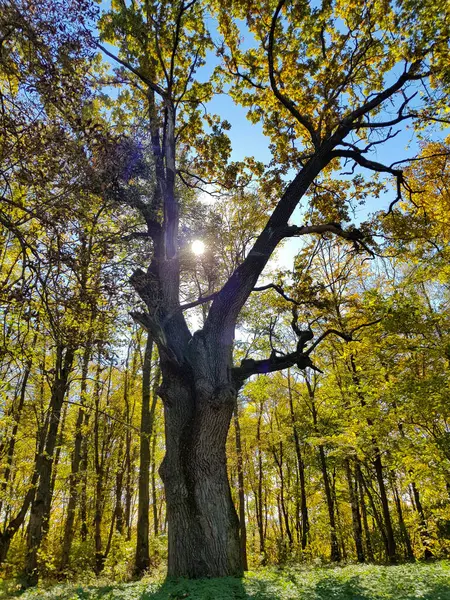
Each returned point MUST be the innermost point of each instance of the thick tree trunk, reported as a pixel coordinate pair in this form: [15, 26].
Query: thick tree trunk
[203, 525]
[40, 509]
[240, 467]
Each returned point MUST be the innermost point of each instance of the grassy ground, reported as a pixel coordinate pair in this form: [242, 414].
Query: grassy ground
[404, 582]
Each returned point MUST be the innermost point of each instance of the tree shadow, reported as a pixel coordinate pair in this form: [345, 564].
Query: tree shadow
[327, 587]
[227, 588]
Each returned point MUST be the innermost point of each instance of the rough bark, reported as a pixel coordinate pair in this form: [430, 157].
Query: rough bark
[203, 528]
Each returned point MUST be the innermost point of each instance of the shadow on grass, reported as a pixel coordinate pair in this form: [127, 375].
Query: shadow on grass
[330, 588]
[319, 585]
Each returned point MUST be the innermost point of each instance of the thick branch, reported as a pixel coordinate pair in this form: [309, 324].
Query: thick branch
[229, 301]
[367, 163]
[300, 358]
[251, 367]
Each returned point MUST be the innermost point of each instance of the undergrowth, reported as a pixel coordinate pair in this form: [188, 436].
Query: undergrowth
[429, 581]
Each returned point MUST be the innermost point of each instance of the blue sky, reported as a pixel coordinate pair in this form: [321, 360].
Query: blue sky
[248, 140]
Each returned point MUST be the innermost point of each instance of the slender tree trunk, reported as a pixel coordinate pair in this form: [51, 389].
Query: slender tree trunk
[279, 462]
[17, 411]
[335, 553]
[424, 534]
[76, 460]
[376, 515]
[99, 478]
[17, 521]
[240, 467]
[59, 444]
[12, 526]
[259, 498]
[84, 479]
[71, 506]
[401, 521]
[118, 509]
[142, 558]
[40, 509]
[338, 518]
[130, 377]
[154, 495]
[356, 516]
[389, 532]
[391, 546]
[301, 470]
[362, 501]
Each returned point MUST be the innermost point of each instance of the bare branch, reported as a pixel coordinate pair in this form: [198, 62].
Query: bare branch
[279, 290]
[299, 358]
[153, 86]
[199, 301]
[353, 235]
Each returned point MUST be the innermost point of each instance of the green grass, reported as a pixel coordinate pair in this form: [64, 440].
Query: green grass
[369, 582]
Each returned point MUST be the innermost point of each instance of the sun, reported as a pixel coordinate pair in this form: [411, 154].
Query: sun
[198, 247]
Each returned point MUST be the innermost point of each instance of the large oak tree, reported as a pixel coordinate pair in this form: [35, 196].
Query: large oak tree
[330, 83]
